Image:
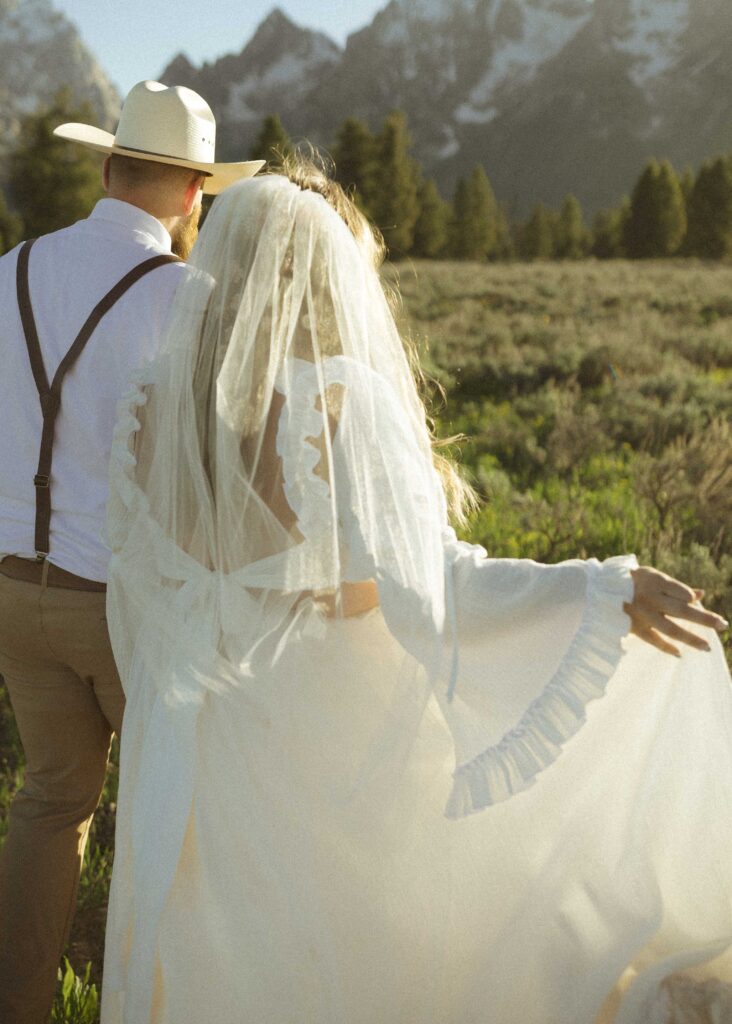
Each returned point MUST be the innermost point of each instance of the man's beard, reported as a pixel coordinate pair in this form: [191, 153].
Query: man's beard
[185, 234]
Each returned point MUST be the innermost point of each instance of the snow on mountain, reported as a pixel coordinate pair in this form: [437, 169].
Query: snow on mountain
[469, 113]
[40, 53]
[284, 70]
[654, 38]
[539, 33]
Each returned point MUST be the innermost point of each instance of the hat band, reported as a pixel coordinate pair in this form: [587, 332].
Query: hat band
[163, 156]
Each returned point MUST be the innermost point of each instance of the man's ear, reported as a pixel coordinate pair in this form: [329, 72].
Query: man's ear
[105, 173]
[191, 194]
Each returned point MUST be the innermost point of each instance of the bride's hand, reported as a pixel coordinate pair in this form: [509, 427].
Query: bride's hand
[658, 601]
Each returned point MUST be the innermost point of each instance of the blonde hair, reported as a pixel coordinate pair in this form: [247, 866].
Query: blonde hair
[313, 172]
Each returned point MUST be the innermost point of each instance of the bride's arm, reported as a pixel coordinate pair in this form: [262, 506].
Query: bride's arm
[534, 646]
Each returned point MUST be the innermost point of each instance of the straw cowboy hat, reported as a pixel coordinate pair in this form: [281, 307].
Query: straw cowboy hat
[168, 125]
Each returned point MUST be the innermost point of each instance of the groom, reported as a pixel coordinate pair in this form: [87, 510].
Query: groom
[82, 308]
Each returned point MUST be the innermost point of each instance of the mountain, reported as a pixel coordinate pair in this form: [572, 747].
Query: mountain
[277, 66]
[636, 79]
[551, 96]
[41, 52]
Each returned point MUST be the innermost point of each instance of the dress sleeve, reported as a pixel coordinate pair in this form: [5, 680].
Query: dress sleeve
[514, 650]
[533, 646]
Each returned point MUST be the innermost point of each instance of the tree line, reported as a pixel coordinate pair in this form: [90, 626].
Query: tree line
[49, 184]
[666, 215]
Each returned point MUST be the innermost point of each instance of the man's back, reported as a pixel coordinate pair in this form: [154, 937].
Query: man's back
[69, 272]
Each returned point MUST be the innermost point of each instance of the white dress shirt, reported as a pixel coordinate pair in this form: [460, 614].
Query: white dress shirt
[70, 271]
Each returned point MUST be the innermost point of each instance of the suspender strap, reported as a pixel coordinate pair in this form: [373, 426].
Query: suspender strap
[50, 395]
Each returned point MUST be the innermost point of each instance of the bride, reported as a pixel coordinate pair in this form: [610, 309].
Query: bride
[370, 775]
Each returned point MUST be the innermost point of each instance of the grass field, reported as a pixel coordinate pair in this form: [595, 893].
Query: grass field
[596, 398]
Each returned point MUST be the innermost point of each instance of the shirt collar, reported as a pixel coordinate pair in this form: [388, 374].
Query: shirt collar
[133, 218]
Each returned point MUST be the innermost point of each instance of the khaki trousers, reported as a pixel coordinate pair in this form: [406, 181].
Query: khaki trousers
[57, 662]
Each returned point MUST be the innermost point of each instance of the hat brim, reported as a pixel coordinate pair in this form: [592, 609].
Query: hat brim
[218, 175]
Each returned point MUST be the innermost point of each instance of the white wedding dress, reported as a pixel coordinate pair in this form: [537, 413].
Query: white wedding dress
[323, 821]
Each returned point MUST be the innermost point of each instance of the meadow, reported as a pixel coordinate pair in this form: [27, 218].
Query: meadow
[595, 398]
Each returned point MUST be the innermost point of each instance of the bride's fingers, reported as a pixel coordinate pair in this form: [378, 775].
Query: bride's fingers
[660, 624]
[650, 636]
[676, 591]
[694, 613]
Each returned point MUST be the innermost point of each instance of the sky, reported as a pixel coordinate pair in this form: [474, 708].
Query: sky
[135, 39]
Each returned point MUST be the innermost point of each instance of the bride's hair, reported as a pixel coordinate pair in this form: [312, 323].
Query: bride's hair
[311, 171]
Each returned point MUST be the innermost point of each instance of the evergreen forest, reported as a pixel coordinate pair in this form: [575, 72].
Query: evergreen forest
[46, 184]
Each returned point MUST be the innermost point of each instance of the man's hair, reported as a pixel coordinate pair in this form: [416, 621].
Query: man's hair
[129, 173]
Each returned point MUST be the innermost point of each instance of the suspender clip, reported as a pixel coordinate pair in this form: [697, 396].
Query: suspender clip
[41, 480]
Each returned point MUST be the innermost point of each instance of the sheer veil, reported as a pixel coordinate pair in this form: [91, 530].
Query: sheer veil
[284, 453]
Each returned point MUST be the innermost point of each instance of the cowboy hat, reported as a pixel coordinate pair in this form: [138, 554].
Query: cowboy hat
[168, 125]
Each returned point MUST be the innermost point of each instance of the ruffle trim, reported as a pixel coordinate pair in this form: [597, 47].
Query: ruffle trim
[308, 495]
[123, 490]
[513, 765]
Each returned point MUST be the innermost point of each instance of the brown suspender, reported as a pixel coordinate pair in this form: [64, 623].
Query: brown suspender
[50, 395]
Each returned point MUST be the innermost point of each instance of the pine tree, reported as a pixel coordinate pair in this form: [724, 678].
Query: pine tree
[395, 206]
[11, 228]
[608, 230]
[639, 232]
[686, 181]
[710, 211]
[474, 231]
[687, 186]
[657, 223]
[52, 182]
[571, 233]
[430, 231]
[673, 206]
[354, 154]
[505, 248]
[272, 142]
[536, 240]
[459, 219]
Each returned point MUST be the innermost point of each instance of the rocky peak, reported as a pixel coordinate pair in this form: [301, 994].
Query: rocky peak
[275, 70]
[278, 37]
[180, 71]
[274, 24]
[40, 53]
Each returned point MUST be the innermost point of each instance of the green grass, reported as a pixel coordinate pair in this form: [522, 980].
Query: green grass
[77, 997]
[596, 398]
